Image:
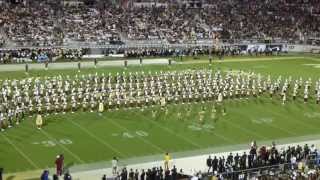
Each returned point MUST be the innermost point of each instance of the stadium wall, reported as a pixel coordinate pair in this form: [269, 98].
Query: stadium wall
[304, 48]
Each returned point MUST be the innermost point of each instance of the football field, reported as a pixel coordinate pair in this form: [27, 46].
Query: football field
[88, 138]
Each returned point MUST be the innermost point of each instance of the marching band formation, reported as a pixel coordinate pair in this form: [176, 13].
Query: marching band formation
[93, 92]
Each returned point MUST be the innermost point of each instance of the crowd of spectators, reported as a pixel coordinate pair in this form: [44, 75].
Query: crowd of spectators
[49, 23]
[296, 161]
[292, 162]
[30, 25]
[39, 55]
[155, 173]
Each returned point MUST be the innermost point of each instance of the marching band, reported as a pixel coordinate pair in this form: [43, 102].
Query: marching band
[96, 93]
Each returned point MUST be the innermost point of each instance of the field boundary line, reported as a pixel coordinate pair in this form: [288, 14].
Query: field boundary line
[20, 151]
[63, 147]
[171, 132]
[272, 58]
[98, 139]
[142, 139]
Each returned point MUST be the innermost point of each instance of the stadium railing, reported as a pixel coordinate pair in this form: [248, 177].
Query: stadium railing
[312, 162]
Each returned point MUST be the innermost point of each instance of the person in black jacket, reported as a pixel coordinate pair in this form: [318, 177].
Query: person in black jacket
[143, 174]
[67, 176]
[174, 173]
[1, 171]
[104, 177]
[136, 175]
[124, 174]
[55, 177]
[209, 163]
[215, 164]
[131, 174]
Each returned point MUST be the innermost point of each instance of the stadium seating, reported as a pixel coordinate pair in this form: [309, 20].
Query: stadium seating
[294, 162]
[43, 23]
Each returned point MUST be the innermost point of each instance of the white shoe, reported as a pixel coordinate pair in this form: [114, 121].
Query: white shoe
[2, 130]
[9, 126]
[17, 123]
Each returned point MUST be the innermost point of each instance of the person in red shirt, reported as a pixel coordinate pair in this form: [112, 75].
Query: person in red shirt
[59, 164]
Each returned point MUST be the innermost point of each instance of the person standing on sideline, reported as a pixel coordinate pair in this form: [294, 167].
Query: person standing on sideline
[79, 66]
[104, 177]
[114, 163]
[167, 158]
[67, 176]
[59, 164]
[95, 63]
[143, 175]
[27, 68]
[209, 163]
[45, 175]
[1, 171]
[46, 65]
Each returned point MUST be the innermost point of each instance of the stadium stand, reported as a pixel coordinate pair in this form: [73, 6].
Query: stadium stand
[47, 23]
[46, 31]
[265, 162]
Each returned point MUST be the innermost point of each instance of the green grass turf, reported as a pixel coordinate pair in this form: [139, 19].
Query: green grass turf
[136, 133]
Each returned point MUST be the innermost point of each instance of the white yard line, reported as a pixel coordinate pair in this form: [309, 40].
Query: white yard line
[20, 151]
[101, 141]
[141, 138]
[63, 147]
[174, 133]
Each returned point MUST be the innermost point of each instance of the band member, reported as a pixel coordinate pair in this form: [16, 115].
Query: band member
[163, 102]
[101, 107]
[2, 122]
[39, 121]
[284, 98]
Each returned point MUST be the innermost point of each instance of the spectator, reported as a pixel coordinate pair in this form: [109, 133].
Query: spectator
[1, 171]
[45, 175]
[104, 177]
[67, 176]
